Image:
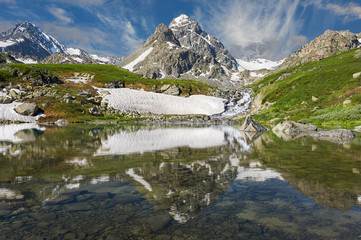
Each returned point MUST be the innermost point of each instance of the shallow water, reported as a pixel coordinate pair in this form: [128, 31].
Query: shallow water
[175, 182]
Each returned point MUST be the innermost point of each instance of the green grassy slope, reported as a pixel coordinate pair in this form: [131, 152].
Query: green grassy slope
[315, 92]
[108, 73]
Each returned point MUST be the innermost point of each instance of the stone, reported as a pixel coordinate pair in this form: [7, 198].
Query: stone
[346, 102]
[62, 122]
[5, 100]
[315, 99]
[357, 129]
[67, 96]
[28, 109]
[173, 90]
[95, 111]
[251, 125]
[83, 93]
[337, 135]
[356, 75]
[294, 128]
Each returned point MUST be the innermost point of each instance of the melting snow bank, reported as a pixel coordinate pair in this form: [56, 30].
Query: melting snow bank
[237, 105]
[124, 99]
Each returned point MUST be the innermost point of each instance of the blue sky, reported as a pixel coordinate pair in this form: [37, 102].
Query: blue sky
[248, 28]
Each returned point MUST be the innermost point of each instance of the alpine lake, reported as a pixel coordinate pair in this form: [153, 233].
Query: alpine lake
[134, 181]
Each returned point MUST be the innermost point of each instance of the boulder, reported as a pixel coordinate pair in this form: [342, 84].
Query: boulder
[356, 75]
[83, 93]
[337, 135]
[170, 90]
[251, 125]
[5, 100]
[357, 129]
[28, 109]
[294, 128]
[95, 111]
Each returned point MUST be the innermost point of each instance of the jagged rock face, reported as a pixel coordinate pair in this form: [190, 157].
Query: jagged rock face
[191, 36]
[7, 58]
[163, 56]
[29, 40]
[61, 58]
[328, 44]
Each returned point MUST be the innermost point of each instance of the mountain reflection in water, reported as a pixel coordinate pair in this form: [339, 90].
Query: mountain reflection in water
[136, 181]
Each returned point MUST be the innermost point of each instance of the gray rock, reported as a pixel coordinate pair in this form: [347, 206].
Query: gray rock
[251, 125]
[294, 128]
[83, 93]
[28, 109]
[68, 96]
[173, 90]
[62, 122]
[356, 75]
[357, 129]
[95, 111]
[337, 135]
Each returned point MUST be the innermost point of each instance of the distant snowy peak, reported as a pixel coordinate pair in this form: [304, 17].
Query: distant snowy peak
[258, 64]
[29, 40]
[29, 44]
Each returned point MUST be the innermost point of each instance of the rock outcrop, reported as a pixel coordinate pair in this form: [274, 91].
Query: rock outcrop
[328, 44]
[251, 125]
[294, 128]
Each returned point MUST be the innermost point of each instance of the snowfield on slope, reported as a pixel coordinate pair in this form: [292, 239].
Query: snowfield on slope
[148, 102]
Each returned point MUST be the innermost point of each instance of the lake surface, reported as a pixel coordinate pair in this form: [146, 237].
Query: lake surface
[175, 182]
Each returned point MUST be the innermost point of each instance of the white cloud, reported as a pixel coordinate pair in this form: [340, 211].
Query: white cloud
[252, 28]
[60, 14]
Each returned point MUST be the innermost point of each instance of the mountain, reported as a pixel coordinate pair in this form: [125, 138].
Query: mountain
[27, 43]
[328, 44]
[29, 40]
[183, 50]
[191, 36]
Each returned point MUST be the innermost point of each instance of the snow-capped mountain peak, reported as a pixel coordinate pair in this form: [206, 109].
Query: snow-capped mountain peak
[258, 64]
[180, 21]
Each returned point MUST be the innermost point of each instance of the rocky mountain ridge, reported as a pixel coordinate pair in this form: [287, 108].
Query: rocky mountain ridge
[328, 44]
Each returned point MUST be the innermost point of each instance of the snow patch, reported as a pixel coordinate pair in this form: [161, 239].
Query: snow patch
[139, 59]
[77, 80]
[180, 21]
[7, 43]
[78, 59]
[125, 99]
[9, 194]
[139, 179]
[171, 45]
[78, 162]
[102, 178]
[26, 60]
[73, 51]
[260, 75]
[258, 64]
[96, 57]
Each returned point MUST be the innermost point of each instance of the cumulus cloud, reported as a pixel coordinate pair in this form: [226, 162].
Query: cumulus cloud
[60, 14]
[252, 28]
[350, 10]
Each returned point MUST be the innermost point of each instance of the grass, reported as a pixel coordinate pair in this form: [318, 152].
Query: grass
[329, 80]
[109, 73]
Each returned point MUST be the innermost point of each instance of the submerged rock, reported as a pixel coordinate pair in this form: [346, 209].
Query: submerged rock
[337, 135]
[251, 125]
[28, 109]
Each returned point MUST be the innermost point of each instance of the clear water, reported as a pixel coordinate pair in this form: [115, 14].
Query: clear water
[175, 182]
